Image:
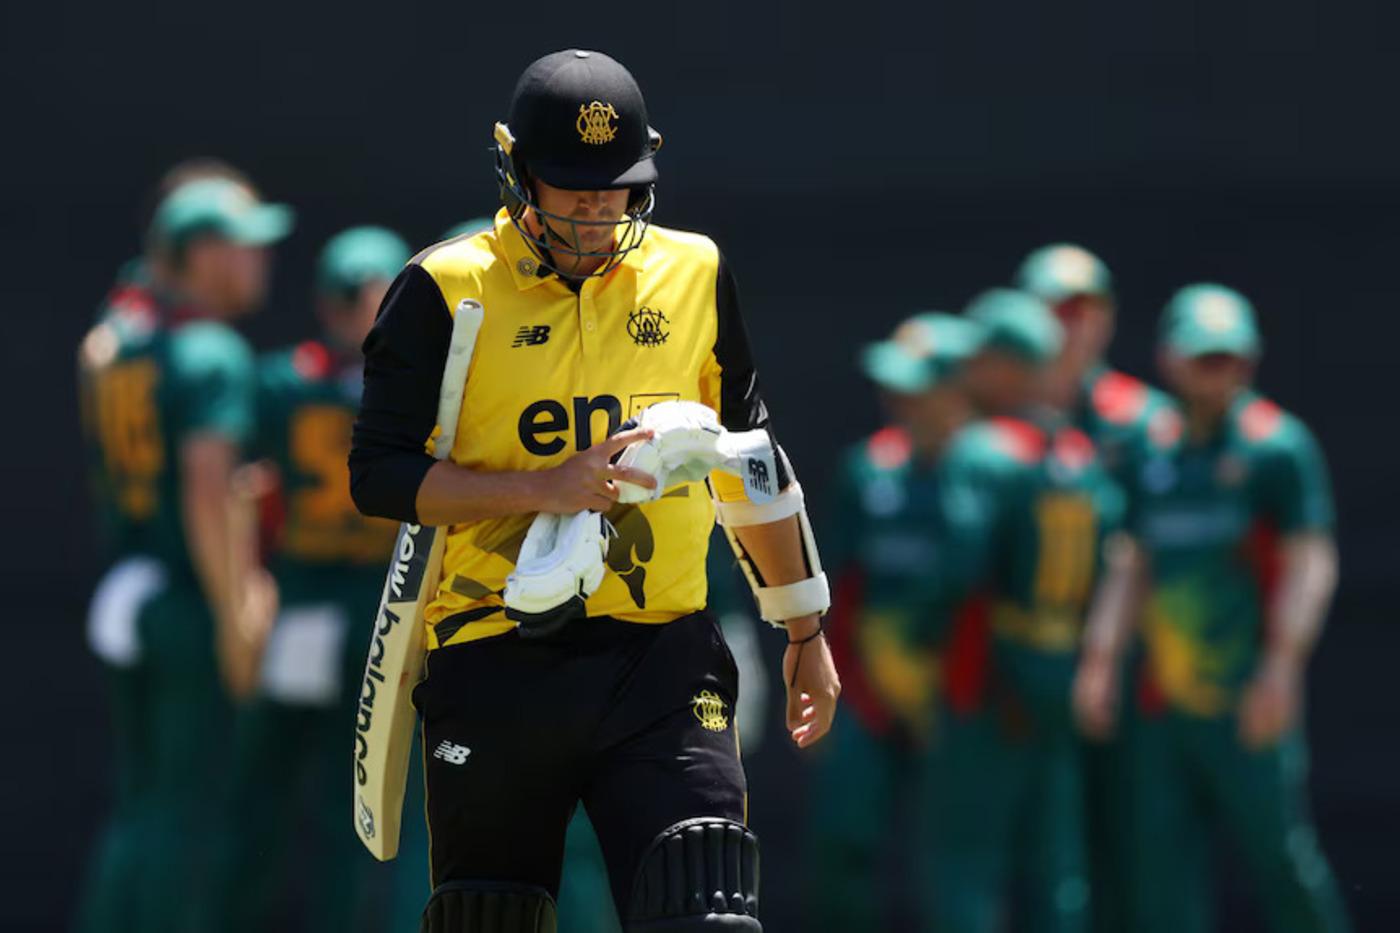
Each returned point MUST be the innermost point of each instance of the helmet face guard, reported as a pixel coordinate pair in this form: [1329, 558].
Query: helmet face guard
[553, 244]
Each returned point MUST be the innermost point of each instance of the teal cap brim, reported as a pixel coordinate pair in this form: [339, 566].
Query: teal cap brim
[261, 225]
[890, 367]
[1235, 343]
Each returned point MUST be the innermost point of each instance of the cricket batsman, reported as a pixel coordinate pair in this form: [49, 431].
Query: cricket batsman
[328, 561]
[1229, 533]
[167, 389]
[1028, 503]
[1114, 410]
[585, 898]
[892, 555]
[623, 700]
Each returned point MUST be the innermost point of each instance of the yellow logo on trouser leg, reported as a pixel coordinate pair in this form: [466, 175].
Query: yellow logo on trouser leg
[594, 123]
[709, 709]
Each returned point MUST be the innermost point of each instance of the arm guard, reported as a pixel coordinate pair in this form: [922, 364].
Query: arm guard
[777, 604]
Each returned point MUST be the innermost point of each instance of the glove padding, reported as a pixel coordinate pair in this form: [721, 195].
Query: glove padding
[687, 444]
[560, 566]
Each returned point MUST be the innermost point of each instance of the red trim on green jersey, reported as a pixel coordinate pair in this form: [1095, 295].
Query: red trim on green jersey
[1263, 550]
[1260, 420]
[1119, 398]
[967, 661]
[1024, 441]
[889, 448]
[313, 361]
[856, 691]
[1074, 449]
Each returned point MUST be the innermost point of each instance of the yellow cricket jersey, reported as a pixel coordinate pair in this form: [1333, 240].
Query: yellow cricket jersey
[558, 366]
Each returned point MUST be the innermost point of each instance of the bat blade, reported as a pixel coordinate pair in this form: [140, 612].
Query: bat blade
[385, 717]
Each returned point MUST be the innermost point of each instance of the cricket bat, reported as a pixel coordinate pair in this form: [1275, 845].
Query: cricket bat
[385, 719]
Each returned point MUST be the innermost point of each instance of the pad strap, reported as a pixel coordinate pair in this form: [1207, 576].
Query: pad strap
[741, 513]
[793, 600]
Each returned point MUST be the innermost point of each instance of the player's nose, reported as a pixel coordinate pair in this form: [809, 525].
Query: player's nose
[590, 202]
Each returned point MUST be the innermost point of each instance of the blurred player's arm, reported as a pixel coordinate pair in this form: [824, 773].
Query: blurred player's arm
[217, 389]
[241, 596]
[1297, 496]
[392, 475]
[1299, 606]
[1107, 633]
[778, 556]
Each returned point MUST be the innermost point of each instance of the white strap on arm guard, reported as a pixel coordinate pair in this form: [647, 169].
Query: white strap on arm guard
[777, 604]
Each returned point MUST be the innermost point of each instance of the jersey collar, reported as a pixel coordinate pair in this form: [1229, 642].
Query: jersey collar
[525, 268]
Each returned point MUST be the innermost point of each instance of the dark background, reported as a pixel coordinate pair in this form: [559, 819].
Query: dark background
[855, 161]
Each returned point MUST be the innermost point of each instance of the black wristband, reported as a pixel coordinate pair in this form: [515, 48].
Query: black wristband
[821, 630]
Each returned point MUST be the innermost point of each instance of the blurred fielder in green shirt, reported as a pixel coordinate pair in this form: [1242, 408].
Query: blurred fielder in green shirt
[167, 389]
[1230, 538]
[290, 797]
[889, 552]
[1029, 505]
[1114, 410]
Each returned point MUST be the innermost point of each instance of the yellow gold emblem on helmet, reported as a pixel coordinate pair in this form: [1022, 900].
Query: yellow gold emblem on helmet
[709, 709]
[594, 123]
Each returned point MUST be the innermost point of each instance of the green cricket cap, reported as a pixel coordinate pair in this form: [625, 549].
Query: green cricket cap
[359, 255]
[469, 227]
[1062, 270]
[1207, 318]
[923, 350]
[219, 207]
[1016, 322]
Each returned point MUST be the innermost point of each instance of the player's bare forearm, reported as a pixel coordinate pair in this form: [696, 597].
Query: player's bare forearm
[451, 494]
[1117, 600]
[777, 550]
[217, 551]
[809, 672]
[1272, 701]
[207, 465]
[1106, 635]
[1300, 604]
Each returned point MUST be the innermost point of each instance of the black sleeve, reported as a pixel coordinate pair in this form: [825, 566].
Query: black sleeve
[741, 402]
[404, 357]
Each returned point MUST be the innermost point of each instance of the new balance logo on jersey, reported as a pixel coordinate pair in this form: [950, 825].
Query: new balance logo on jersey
[758, 476]
[452, 753]
[531, 335]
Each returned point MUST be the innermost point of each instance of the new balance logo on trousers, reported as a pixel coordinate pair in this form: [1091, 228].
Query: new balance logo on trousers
[452, 753]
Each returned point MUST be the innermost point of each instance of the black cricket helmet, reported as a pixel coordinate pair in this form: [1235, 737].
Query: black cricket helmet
[577, 121]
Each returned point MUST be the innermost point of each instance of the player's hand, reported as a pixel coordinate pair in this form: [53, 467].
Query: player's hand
[587, 480]
[812, 684]
[1271, 702]
[1095, 696]
[244, 636]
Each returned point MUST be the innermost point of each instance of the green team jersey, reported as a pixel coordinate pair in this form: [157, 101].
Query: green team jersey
[151, 376]
[306, 404]
[885, 542]
[1030, 505]
[1210, 516]
[1115, 411]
